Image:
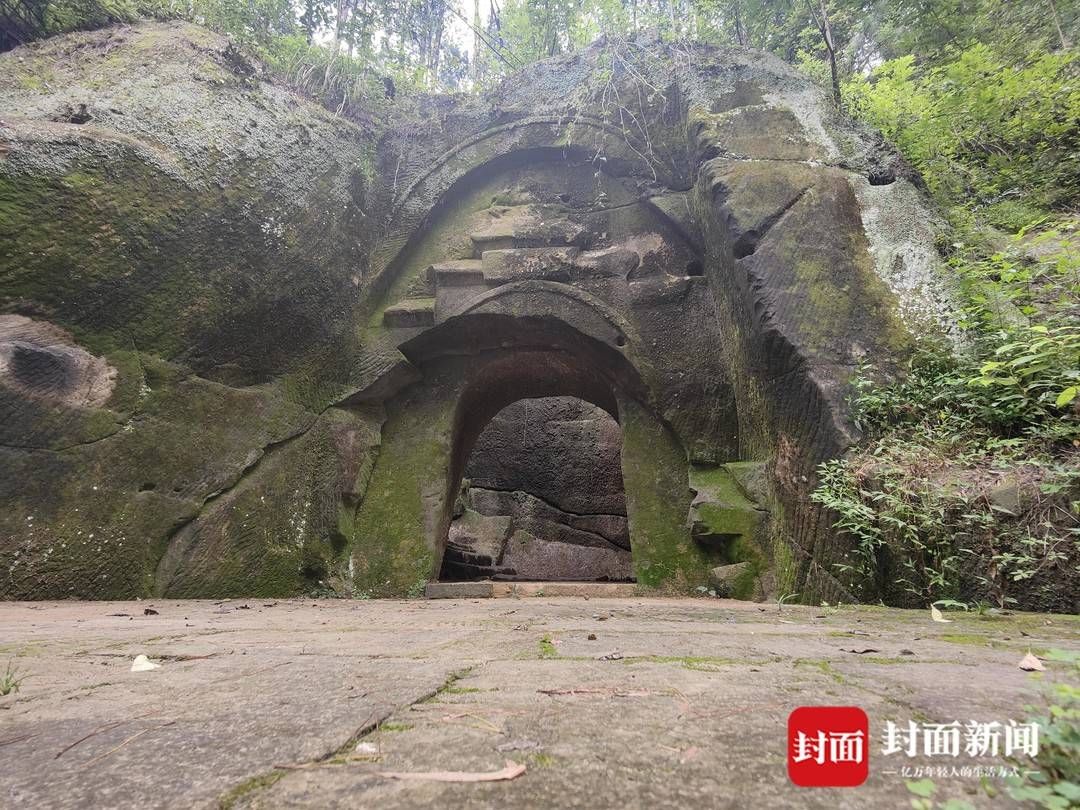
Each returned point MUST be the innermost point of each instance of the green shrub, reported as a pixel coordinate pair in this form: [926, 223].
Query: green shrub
[330, 77]
[73, 15]
[968, 483]
[10, 680]
[1052, 779]
[987, 133]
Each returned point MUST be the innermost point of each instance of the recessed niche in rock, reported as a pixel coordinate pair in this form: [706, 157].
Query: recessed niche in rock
[247, 362]
[542, 497]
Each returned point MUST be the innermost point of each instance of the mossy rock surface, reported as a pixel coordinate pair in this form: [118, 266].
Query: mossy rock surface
[213, 254]
[186, 237]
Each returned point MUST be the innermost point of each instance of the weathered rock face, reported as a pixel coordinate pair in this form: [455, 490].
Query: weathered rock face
[560, 450]
[543, 497]
[178, 277]
[247, 346]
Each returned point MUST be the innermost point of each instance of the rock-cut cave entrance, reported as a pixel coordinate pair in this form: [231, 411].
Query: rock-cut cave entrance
[542, 497]
[541, 272]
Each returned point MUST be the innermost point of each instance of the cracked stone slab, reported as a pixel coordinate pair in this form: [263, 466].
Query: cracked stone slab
[670, 702]
[237, 692]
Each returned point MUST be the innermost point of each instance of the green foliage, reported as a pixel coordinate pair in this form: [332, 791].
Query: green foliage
[1034, 374]
[421, 44]
[70, 15]
[926, 527]
[252, 21]
[924, 790]
[10, 681]
[968, 485]
[785, 598]
[1034, 276]
[929, 28]
[1018, 382]
[547, 648]
[943, 440]
[328, 76]
[1051, 779]
[529, 31]
[989, 133]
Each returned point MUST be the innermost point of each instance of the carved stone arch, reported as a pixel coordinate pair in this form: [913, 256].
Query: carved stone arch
[579, 308]
[470, 368]
[533, 136]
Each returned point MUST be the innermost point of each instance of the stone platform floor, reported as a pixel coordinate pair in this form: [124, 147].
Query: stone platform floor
[674, 703]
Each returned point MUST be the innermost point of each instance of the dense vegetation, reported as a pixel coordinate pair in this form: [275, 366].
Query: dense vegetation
[967, 487]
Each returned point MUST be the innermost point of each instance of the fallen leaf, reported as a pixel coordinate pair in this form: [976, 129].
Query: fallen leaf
[1029, 663]
[935, 614]
[860, 652]
[512, 771]
[143, 664]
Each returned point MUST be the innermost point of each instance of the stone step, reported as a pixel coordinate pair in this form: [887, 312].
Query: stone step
[527, 226]
[497, 590]
[457, 273]
[502, 266]
[411, 312]
[483, 242]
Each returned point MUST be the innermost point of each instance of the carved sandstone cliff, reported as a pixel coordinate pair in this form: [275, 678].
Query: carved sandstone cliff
[246, 345]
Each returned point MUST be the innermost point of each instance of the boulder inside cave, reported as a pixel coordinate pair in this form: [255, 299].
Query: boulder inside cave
[542, 498]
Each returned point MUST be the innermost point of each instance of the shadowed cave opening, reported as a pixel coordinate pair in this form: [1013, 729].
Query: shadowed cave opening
[542, 498]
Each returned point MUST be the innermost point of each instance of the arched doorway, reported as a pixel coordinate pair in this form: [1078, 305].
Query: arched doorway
[542, 498]
[470, 368]
[544, 272]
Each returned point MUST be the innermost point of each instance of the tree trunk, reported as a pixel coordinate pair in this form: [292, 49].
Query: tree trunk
[436, 50]
[740, 33]
[1057, 24]
[476, 42]
[827, 37]
[340, 16]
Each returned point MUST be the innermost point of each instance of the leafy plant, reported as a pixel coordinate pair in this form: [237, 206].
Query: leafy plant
[1035, 370]
[547, 647]
[784, 599]
[988, 132]
[967, 485]
[1050, 780]
[10, 681]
